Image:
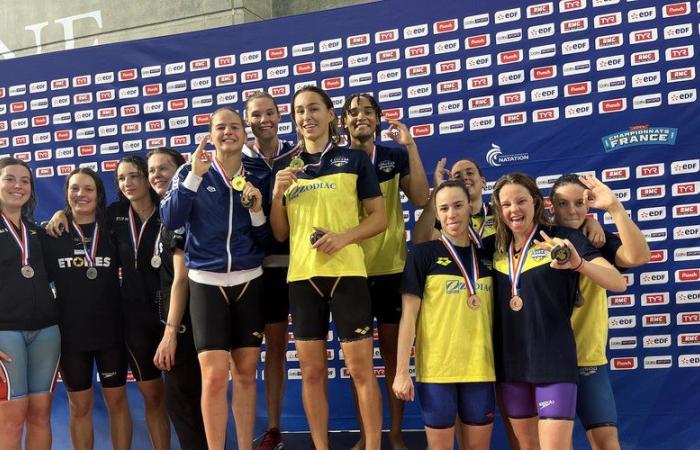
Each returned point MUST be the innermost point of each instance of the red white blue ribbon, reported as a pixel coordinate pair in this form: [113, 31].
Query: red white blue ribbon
[22, 241]
[92, 253]
[329, 146]
[219, 168]
[471, 283]
[136, 236]
[514, 270]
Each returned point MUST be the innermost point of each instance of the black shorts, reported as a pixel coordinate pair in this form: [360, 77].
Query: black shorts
[275, 295]
[385, 291]
[225, 318]
[347, 298]
[77, 368]
[143, 334]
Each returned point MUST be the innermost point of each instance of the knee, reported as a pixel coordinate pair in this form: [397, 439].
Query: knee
[245, 377]
[361, 373]
[153, 398]
[39, 416]
[117, 402]
[315, 374]
[214, 380]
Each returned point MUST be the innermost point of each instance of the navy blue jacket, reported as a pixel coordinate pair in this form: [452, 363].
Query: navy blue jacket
[220, 236]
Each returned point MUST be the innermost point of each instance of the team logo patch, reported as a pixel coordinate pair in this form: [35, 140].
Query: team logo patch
[443, 261]
[340, 161]
[386, 166]
[539, 254]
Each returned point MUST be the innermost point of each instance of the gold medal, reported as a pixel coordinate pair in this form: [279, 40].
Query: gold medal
[238, 183]
[474, 301]
[296, 163]
[516, 303]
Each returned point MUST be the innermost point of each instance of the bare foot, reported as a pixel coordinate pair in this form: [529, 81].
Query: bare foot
[360, 445]
[396, 442]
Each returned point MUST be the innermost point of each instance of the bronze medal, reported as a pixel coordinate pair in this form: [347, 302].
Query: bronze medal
[27, 271]
[516, 303]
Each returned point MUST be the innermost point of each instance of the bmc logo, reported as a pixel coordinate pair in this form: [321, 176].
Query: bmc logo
[617, 174]
[656, 320]
[627, 363]
[620, 301]
[655, 299]
[688, 210]
[649, 192]
[685, 339]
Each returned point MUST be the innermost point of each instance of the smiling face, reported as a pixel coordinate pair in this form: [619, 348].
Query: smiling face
[312, 116]
[15, 187]
[161, 169]
[82, 194]
[517, 208]
[131, 182]
[227, 132]
[569, 208]
[468, 172]
[263, 118]
[452, 205]
[361, 119]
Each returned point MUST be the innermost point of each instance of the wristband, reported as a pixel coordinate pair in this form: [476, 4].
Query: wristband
[578, 268]
[179, 328]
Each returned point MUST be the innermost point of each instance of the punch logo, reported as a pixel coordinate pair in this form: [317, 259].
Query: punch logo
[509, 57]
[496, 158]
[543, 73]
[540, 10]
[656, 320]
[613, 105]
[686, 166]
[655, 299]
[686, 232]
[642, 135]
[545, 115]
[272, 54]
[478, 41]
[304, 68]
[641, 14]
[677, 53]
[615, 322]
[676, 9]
[18, 107]
[660, 255]
[687, 275]
[127, 74]
[445, 26]
[577, 46]
[422, 130]
[626, 363]
[393, 114]
[573, 25]
[623, 342]
[575, 89]
[333, 83]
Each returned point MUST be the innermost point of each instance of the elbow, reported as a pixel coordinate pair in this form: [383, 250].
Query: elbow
[644, 256]
[619, 285]
[279, 233]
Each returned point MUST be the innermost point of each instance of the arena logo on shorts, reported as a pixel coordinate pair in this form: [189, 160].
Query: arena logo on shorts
[298, 190]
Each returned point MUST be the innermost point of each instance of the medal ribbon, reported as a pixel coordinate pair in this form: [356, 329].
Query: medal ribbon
[373, 155]
[264, 158]
[22, 242]
[219, 168]
[136, 238]
[515, 269]
[471, 284]
[475, 235]
[89, 255]
[329, 146]
[484, 211]
[156, 246]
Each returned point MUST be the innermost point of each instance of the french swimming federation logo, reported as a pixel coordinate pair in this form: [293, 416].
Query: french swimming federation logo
[640, 135]
[496, 158]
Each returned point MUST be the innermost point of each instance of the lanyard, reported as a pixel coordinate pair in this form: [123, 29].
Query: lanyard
[92, 253]
[515, 269]
[21, 239]
[136, 237]
[471, 283]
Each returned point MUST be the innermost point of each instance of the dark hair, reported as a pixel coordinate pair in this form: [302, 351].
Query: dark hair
[258, 95]
[503, 233]
[142, 167]
[372, 101]
[101, 212]
[451, 184]
[176, 156]
[567, 178]
[478, 169]
[332, 127]
[224, 108]
[28, 207]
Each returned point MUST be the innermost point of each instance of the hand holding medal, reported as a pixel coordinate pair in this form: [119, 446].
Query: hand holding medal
[283, 180]
[562, 251]
[399, 133]
[328, 242]
[250, 195]
[201, 160]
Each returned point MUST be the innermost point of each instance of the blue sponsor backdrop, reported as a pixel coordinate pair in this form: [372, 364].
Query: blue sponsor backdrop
[583, 85]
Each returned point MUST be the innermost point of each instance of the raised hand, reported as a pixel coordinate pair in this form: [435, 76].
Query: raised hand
[441, 174]
[201, 161]
[399, 133]
[549, 243]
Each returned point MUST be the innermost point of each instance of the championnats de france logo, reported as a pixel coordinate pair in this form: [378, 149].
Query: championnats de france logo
[496, 158]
